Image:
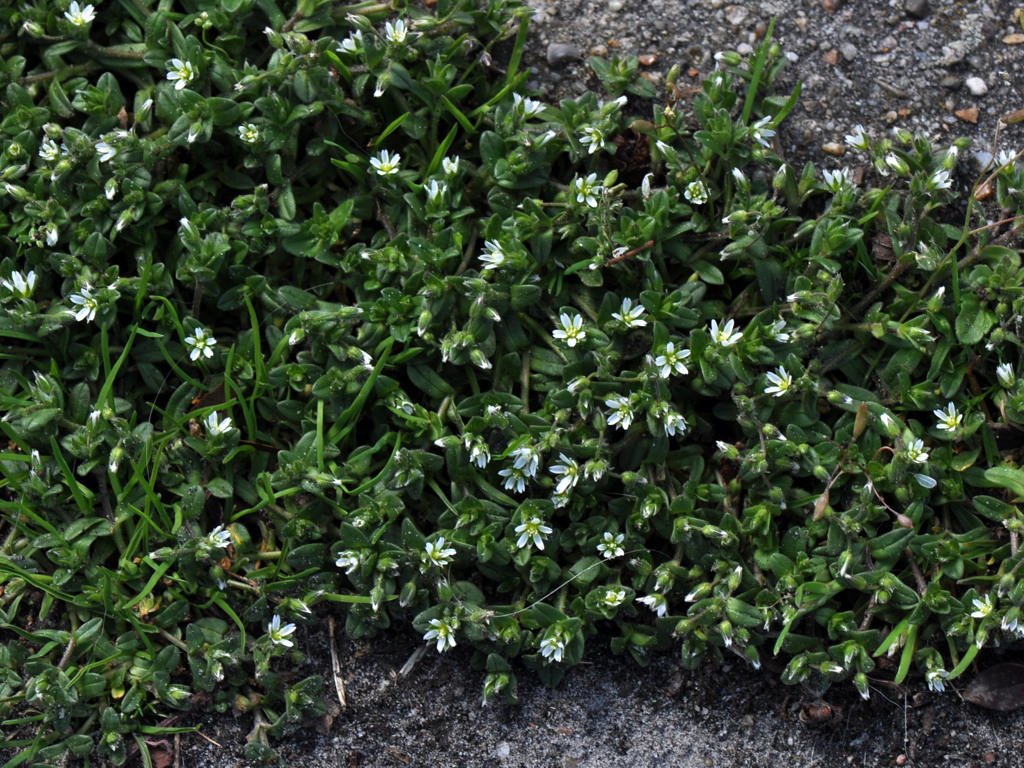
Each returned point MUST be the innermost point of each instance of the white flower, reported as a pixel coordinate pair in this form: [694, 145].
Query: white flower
[551, 648]
[249, 133]
[181, 73]
[587, 190]
[526, 107]
[437, 554]
[592, 138]
[526, 458]
[674, 422]
[450, 165]
[656, 602]
[396, 32]
[611, 545]
[570, 474]
[836, 180]
[898, 164]
[20, 285]
[645, 185]
[443, 631]
[696, 192]
[1006, 157]
[348, 560]
[352, 43]
[49, 150]
[935, 679]
[858, 139]
[760, 132]
[983, 606]
[492, 257]
[386, 163]
[725, 335]
[622, 412]
[949, 419]
[1004, 372]
[630, 316]
[781, 381]
[672, 361]
[280, 635]
[940, 180]
[613, 597]
[479, 454]
[515, 479]
[916, 452]
[217, 426]
[777, 332]
[200, 344]
[435, 190]
[106, 151]
[87, 305]
[78, 15]
[533, 529]
[571, 329]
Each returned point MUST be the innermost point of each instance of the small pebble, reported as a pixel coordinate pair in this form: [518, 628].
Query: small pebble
[735, 15]
[976, 86]
[615, 5]
[563, 53]
[834, 148]
[744, 49]
[951, 82]
[503, 749]
[916, 9]
[849, 51]
[968, 115]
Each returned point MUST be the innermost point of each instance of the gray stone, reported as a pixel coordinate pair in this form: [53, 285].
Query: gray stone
[976, 86]
[562, 53]
[951, 82]
[849, 51]
[916, 9]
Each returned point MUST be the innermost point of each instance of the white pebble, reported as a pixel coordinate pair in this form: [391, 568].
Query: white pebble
[976, 86]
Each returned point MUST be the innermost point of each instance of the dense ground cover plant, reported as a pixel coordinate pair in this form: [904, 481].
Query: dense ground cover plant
[314, 308]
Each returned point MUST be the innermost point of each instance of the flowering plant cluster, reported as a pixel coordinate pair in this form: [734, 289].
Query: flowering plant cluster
[334, 317]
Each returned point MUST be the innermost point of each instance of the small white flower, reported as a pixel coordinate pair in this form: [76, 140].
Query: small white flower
[20, 285]
[386, 163]
[435, 190]
[622, 412]
[571, 329]
[1005, 374]
[87, 305]
[613, 597]
[532, 530]
[936, 679]
[916, 452]
[858, 139]
[217, 426]
[79, 16]
[570, 474]
[836, 180]
[450, 165]
[725, 335]
[940, 180]
[674, 422]
[777, 332]
[781, 381]
[51, 235]
[630, 316]
[949, 419]
[218, 538]
[280, 635]
[49, 150]
[181, 73]
[593, 139]
[351, 44]
[611, 545]
[443, 631]
[897, 163]
[696, 192]
[645, 185]
[249, 133]
[551, 648]
[437, 554]
[587, 190]
[493, 256]
[656, 602]
[1006, 157]
[515, 479]
[106, 151]
[672, 360]
[200, 344]
[526, 107]
[479, 454]
[760, 132]
[396, 32]
[983, 606]
[348, 560]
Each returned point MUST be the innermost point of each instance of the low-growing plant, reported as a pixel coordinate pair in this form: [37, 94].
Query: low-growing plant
[313, 308]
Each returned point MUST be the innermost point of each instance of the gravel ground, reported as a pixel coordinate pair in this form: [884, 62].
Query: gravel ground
[941, 69]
